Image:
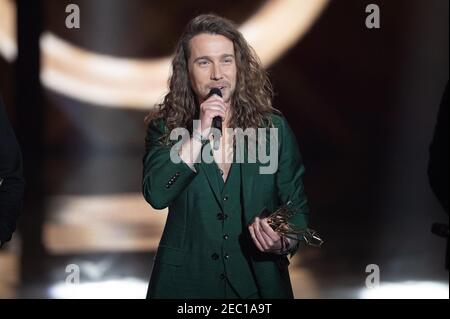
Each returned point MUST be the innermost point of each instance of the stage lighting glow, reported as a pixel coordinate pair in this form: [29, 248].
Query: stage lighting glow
[127, 288]
[278, 25]
[139, 84]
[407, 290]
[102, 79]
[101, 223]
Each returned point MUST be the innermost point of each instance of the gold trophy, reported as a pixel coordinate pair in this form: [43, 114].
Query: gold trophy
[279, 221]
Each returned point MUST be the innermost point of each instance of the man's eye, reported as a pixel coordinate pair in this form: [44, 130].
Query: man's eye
[202, 63]
[228, 61]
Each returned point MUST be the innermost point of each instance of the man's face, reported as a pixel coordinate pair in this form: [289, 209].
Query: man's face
[212, 65]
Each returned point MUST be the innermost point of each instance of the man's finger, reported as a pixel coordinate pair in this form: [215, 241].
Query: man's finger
[215, 97]
[259, 235]
[255, 240]
[269, 231]
[215, 101]
[213, 108]
[269, 241]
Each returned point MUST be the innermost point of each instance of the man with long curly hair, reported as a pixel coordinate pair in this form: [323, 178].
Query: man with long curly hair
[215, 243]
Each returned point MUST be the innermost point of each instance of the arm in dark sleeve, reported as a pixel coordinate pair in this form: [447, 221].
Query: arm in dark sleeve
[11, 178]
[163, 180]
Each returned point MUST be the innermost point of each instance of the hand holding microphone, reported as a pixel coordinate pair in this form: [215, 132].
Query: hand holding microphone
[212, 113]
[217, 120]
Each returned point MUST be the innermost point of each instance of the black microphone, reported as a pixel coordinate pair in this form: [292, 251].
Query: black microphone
[217, 120]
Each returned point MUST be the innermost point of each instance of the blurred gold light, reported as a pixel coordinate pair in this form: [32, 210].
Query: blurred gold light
[8, 42]
[131, 83]
[138, 84]
[108, 223]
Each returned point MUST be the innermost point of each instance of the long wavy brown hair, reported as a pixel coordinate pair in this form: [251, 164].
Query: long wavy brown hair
[251, 102]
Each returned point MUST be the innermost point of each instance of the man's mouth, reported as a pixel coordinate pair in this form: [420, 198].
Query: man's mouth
[218, 87]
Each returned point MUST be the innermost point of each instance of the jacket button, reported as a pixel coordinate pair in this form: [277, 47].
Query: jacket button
[225, 198]
[222, 276]
[226, 256]
[214, 256]
[225, 237]
[220, 216]
[167, 186]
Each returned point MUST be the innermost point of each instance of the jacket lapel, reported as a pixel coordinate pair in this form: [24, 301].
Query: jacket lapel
[211, 176]
[249, 171]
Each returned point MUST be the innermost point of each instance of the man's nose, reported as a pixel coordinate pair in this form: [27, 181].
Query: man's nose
[216, 73]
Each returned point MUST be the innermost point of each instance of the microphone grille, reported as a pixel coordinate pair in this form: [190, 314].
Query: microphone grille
[216, 91]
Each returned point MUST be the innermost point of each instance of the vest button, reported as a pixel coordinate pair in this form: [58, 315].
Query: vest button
[226, 256]
[214, 256]
[225, 237]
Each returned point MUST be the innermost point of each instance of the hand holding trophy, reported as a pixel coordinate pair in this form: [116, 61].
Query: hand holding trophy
[279, 221]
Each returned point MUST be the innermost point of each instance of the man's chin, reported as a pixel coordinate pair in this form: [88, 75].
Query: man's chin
[227, 96]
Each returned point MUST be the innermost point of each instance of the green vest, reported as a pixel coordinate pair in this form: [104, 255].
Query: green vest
[236, 266]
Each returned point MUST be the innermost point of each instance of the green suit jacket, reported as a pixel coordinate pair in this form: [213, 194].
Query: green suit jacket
[182, 267]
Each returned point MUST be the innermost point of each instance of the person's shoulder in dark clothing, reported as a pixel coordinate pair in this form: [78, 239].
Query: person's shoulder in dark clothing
[12, 183]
